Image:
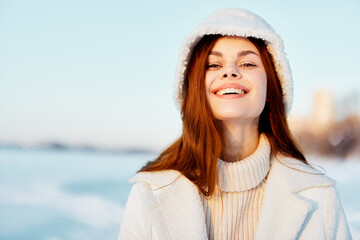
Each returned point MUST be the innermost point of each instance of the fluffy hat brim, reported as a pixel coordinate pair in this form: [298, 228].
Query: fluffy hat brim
[243, 23]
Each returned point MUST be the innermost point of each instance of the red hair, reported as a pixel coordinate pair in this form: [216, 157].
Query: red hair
[196, 152]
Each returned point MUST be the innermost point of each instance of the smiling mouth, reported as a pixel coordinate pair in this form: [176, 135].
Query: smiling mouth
[230, 91]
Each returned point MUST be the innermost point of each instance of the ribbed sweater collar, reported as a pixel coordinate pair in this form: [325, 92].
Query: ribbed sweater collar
[247, 173]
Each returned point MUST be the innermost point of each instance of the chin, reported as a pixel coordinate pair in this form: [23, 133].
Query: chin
[237, 112]
[231, 115]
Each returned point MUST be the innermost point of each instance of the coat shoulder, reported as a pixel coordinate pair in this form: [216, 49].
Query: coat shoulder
[299, 175]
[156, 179]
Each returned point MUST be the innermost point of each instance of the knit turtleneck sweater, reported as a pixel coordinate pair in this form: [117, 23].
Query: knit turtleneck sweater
[233, 211]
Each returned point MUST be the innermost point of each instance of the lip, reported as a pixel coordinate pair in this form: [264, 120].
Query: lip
[230, 85]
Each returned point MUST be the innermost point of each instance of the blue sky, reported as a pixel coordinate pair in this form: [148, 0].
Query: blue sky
[101, 72]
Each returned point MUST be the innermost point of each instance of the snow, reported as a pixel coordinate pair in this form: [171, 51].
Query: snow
[79, 195]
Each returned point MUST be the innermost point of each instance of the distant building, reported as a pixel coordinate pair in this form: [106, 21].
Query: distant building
[323, 110]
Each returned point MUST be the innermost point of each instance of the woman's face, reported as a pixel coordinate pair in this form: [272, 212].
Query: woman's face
[235, 80]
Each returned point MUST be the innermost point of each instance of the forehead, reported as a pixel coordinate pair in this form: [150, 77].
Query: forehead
[233, 44]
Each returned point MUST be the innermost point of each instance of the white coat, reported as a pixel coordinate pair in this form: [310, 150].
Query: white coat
[296, 205]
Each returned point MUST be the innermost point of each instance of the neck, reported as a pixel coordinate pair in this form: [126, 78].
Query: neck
[239, 140]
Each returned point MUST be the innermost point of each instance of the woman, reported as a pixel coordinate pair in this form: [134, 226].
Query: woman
[236, 172]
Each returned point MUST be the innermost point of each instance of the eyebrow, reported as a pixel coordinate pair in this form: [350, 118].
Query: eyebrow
[240, 54]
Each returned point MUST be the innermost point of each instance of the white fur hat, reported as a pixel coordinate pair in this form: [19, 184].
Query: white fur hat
[242, 23]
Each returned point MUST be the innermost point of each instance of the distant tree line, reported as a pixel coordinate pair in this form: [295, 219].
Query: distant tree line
[339, 139]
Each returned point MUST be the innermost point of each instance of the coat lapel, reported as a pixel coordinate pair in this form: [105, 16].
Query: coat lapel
[176, 211]
[284, 211]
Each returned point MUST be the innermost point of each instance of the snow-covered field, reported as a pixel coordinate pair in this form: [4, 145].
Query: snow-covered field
[55, 195]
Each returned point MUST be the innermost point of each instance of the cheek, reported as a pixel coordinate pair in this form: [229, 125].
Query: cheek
[263, 92]
[261, 84]
[209, 79]
[264, 87]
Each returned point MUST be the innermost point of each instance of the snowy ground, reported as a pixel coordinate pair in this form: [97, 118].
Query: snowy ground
[54, 195]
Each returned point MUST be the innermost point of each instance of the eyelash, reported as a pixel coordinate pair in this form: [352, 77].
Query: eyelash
[243, 65]
[247, 65]
[213, 65]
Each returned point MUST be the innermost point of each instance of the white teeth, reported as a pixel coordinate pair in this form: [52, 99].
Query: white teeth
[230, 90]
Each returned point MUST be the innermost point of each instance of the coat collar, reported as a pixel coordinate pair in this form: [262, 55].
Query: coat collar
[283, 210]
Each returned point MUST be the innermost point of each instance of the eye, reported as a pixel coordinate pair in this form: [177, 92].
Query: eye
[247, 65]
[213, 66]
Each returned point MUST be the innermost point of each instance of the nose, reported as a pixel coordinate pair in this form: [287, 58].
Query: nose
[230, 72]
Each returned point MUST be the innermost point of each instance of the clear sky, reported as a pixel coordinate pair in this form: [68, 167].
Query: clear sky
[102, 72]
